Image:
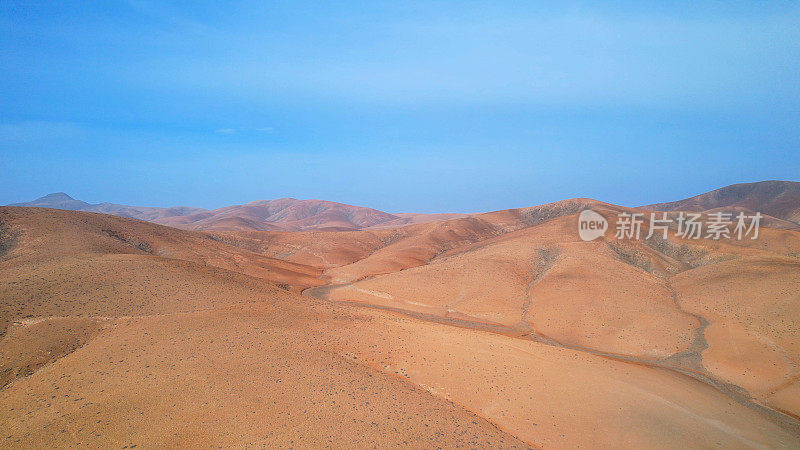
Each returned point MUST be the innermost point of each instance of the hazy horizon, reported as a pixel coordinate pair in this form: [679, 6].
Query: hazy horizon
[366, 206]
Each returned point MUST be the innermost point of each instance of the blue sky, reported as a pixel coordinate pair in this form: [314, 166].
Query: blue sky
[401, 106]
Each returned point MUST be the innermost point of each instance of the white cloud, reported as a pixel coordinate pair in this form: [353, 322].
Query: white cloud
[226, 131]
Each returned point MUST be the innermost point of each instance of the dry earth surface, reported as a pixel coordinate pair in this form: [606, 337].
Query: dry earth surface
[502, 329]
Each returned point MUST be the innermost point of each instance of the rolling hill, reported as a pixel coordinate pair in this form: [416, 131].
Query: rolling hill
[287, 214]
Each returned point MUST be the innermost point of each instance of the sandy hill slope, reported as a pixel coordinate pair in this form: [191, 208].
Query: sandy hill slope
[725, 312]
[53, 254]
[780, 199]
[413, 218]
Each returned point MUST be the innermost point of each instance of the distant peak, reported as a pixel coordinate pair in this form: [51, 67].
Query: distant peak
[57, 196]
[59, 200]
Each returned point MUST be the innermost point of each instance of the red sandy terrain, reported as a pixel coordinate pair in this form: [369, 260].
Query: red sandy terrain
[500, 329]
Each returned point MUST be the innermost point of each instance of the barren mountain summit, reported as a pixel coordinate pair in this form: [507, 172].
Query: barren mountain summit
[780, 199]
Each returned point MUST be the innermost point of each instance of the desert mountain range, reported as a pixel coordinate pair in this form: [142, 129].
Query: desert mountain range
[285, 214]
[302, 322]
[778, 199]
